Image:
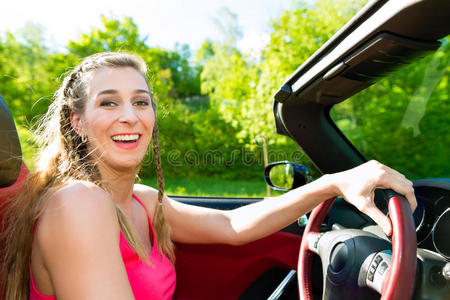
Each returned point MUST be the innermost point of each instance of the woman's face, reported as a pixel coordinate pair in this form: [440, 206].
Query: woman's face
[118, 119]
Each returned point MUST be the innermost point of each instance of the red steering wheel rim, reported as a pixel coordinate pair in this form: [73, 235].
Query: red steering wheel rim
[397, 284]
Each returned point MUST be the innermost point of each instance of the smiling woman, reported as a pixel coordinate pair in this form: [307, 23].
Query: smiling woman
[103, 112]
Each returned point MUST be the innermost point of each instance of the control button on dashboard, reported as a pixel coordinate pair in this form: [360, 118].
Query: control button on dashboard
[382, 268]
[378, 259]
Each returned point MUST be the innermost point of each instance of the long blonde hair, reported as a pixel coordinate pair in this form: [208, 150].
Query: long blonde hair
[64, 157]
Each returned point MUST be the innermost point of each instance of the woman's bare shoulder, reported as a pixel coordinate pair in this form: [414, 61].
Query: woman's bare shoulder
[148, 190]
[77, 195]
[78, 209]
[78, 243]
[148, 196]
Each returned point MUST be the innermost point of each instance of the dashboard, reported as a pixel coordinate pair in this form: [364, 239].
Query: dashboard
[432, 216]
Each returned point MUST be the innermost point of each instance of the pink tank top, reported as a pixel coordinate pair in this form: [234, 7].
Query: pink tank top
[155, 281]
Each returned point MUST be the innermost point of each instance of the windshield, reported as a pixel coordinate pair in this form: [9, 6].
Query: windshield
[402, 121]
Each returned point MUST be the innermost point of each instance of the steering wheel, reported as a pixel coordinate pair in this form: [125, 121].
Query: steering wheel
[353, 259]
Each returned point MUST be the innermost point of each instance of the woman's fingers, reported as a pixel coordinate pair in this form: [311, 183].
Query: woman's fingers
[359, 185]
[405, 188]
[392, 179]
[370, 209]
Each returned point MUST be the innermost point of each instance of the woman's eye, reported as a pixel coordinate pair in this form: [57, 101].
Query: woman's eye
[142, 103]
[108, 103]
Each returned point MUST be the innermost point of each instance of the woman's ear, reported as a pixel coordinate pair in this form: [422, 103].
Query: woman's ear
[75, 121]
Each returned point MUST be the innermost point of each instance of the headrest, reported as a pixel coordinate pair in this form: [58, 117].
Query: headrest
[10, 151]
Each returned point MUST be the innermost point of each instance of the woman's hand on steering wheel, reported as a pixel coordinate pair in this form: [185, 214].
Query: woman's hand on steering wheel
[357, 186]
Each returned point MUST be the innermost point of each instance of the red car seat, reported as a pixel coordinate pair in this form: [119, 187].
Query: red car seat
[12, 170]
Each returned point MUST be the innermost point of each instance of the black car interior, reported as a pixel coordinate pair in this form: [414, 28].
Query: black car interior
[381, 38]
[10, 151]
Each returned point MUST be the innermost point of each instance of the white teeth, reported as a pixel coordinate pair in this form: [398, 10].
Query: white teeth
[126, 137]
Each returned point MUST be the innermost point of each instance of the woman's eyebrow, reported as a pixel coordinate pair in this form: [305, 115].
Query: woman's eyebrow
[113, 91]
[139, 91]
[110, 91]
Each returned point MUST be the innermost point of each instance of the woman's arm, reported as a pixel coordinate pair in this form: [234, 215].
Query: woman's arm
[78, 238]
[242, 225]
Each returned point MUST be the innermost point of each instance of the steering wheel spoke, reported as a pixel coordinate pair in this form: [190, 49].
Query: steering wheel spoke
[313, 241]
[375, 269]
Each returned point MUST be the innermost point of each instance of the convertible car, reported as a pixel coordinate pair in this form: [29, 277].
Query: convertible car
[327, 107]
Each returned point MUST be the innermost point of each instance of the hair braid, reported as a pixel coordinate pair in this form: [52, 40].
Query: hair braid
[159, 171]
[162, 230]
[76, 164]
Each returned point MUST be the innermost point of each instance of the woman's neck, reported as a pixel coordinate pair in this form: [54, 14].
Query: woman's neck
[120, 184]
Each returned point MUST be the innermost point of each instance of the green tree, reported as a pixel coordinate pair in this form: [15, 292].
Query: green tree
[242, 87]
[171, 74]
[25, 80]
[115, 36]
[404, 124]
[296, 35]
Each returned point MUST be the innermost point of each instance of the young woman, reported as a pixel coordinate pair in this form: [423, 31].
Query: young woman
[82, 229]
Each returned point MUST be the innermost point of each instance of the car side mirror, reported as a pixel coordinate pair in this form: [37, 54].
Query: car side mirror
[286, 175]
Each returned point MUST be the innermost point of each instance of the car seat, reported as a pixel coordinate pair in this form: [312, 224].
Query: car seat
[12, 169]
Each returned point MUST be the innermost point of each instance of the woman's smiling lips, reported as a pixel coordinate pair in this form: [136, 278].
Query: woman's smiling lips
[127, 141]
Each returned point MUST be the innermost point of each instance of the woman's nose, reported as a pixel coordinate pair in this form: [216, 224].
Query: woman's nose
[128, 114]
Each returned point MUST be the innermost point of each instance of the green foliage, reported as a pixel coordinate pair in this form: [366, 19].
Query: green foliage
[242, 88]
[116, 36]
[171, 74]
[282, 176]
[29, 148]
[215, 106]
[296, 35]
[412, 107]
[25, 80]
[200, 144]
[212, 187]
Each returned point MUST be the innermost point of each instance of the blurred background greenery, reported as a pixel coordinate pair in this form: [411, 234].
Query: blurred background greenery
[215, 105]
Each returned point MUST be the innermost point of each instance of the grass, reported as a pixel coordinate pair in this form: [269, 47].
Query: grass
[212, 187]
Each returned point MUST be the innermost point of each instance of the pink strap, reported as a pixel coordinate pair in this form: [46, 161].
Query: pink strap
[149, 219]
[137, 199]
